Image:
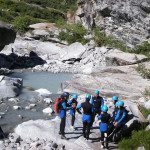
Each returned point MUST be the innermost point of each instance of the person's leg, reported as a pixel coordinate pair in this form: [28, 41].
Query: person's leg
[93, 118]
[84, 129]
[102, 139]
[88, 130]
[106, 139]
[72, 120]
[62, 126]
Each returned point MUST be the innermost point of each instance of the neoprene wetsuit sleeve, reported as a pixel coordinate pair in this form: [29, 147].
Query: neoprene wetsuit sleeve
[79, 106]
[64, 105]
[123, 116]
[117, 115]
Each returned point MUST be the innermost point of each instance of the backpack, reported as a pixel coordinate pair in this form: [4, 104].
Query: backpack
[57, 104]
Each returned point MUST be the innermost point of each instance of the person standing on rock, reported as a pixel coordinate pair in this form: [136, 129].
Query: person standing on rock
[120, 119]
[73, 104]
[97, 102]
[62, 113]
[115, 100]
[87, 115]
[104, 125]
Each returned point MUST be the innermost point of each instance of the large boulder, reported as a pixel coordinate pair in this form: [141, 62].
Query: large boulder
[10, 87]
[44, 32]
[73, 52]
[7, 35]
[119, 58]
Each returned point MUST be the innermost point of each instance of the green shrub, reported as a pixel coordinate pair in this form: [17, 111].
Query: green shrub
[138, 138]
[73, 33]
[101, 39]
[144, 48]
[144, 72]
[62, 5]
[21, 23]
[12, 11]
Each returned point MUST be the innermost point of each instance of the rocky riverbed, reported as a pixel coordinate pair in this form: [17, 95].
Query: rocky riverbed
[107, 69]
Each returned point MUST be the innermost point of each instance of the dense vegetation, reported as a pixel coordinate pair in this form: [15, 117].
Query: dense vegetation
[22, 13]
[62, 5]
[73, 33]
[138, 138]
[102, 39]
[145, 111]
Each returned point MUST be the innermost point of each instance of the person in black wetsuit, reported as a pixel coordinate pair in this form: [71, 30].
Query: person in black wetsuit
[97, 101]
[87, 116]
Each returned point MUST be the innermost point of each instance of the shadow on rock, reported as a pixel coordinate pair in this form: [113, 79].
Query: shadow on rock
[14, 61]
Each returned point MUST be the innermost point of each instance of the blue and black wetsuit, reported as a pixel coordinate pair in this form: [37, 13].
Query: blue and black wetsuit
[62, 115]
[97, 102]
[86, 118]
[104, 125]
[114, 113]
[73, 104]
[121, 116]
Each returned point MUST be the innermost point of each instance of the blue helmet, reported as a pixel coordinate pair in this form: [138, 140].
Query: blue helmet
[96, 92]
[88, 96]
[104, 108]
[115, 98]
[116, 104]
[74, 96]
[120, 103]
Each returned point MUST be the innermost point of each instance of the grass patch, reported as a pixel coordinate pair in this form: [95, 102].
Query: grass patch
[144, 72]
[21, 23]
[72, 33]
[101, 39]
[25, 12]
[138, 138]
[146, 93]
[62, 5]
[144, 48]
[144, 111]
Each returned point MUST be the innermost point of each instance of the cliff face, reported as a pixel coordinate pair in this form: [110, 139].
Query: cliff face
[128, 20]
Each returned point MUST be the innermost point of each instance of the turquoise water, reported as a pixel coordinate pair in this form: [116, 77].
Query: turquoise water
[45, 80]
[35, 80]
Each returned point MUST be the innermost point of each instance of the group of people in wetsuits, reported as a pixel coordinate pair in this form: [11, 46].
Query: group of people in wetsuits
[92, 107]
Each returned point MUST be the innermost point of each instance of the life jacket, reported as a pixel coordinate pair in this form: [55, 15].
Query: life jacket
[57, 105]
